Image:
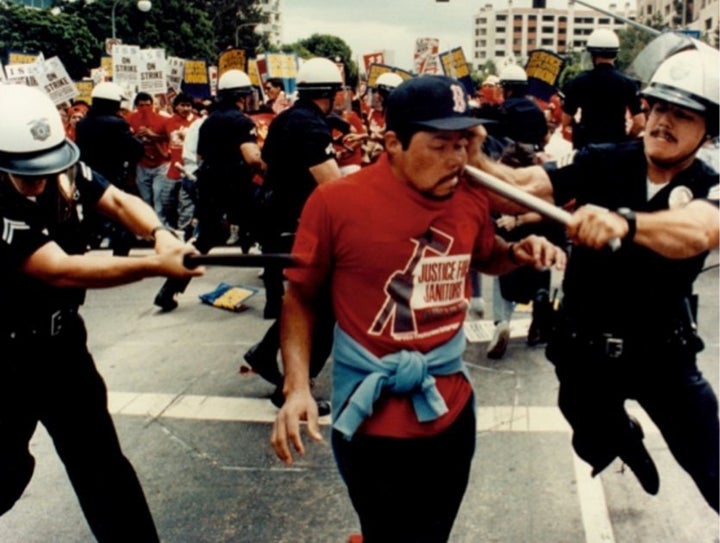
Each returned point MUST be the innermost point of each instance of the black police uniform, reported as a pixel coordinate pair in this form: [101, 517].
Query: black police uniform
[298, 139]
[225, 190]
[225, 186]
[523, 129]
[47, 374]
[108, 146]
[626, 324]
[604, 94]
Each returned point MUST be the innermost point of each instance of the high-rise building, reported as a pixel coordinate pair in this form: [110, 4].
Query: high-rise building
[699, 15]
[509, 34]
[274, 26]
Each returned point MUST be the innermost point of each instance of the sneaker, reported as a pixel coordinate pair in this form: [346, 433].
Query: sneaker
[165, 299]
[498, 344]
[278, 400]
[637, 458]
[477, 306]
[264, 364]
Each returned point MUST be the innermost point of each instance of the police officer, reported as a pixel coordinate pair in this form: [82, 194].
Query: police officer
[522, 132]
[662, 203]
[520, 119]
[108, 147]
[47, 374]
[229, 156]
[604, 95]
[299, 155]
[375, 119]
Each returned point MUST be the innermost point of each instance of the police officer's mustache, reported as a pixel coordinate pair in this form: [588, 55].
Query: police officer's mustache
[662, 132]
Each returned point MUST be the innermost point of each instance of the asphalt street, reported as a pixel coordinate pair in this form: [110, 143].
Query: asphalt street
[198, 434]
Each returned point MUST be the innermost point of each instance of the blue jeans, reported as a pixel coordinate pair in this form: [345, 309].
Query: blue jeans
[152, 184]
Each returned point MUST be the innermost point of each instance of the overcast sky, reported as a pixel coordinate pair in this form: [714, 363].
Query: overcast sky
[368, 26]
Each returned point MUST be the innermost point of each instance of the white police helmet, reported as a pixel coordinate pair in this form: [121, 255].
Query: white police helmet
[603, 41]
[319, 75]
[388, 81]
[235, 81]
[513, 74]
[690, 79]
[32, 141]
[108, 91]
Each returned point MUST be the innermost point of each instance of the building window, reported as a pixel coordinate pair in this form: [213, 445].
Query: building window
[546, 41]
[548, 18]
[548, 30]
[500, 41]
[603, 21]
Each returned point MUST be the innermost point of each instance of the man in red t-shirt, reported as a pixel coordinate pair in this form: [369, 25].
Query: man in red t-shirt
[176, 128]
[394, 244]
[151, 175]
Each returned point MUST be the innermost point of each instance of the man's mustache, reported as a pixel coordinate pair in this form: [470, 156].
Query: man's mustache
[662, 132]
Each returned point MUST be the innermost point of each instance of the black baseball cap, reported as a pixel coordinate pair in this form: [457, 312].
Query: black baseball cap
[435, 102]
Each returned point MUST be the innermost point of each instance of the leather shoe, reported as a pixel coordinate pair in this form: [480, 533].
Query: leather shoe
[165, 299]
[637, 458]
[264, 364]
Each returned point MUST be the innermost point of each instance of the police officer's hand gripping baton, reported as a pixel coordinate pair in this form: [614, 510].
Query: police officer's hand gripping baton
[524, 198]
[242, 260]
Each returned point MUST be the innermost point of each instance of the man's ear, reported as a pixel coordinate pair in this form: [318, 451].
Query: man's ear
[392, 142]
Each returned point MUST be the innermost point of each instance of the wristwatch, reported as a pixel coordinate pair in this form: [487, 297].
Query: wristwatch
[629, 215]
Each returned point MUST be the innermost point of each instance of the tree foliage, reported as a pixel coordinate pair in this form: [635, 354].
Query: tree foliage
[39, 31]
[334, 48]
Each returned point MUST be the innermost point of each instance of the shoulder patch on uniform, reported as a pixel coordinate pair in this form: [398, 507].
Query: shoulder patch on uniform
[566, 159]
[85, 170]
[714, 193]
[10, 227]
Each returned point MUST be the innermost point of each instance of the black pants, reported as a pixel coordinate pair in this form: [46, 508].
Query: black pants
[408, 490]
[664, 380]
[68, 396]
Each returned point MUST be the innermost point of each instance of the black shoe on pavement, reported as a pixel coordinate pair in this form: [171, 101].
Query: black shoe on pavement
[165, 299]
[637, 458]
[264, 364]
[278, 399]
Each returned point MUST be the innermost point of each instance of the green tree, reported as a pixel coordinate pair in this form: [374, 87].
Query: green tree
[40, 31]
[332, 47]
[181, 28]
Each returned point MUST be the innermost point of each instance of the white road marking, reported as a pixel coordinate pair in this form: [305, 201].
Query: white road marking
[593, 507]
[236, 409]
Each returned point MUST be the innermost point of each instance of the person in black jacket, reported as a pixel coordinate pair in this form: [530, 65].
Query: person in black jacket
[108, 146]
[604, 97]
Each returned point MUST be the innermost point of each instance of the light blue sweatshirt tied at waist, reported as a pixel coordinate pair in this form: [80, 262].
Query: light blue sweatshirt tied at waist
[359, 377]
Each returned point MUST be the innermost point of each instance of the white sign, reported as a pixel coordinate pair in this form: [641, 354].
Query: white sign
[152, 70]
[58, 84]
[175, 72]
[126, 65]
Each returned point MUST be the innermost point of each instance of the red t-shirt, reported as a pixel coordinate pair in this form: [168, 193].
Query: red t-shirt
[156, 150]
[176, 127]
[350, 155]
[397, 263]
